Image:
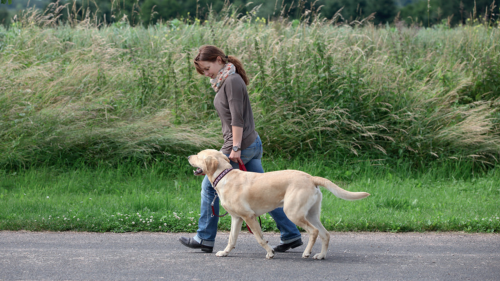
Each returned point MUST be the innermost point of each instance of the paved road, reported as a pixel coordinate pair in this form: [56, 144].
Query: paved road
[159, 256]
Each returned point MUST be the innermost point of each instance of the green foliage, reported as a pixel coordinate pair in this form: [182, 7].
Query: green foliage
[148, 12]
[452, 12]
[4, 16]
[152, 11]
[385, 10]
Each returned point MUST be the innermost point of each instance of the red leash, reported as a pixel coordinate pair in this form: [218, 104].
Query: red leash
[243, 168]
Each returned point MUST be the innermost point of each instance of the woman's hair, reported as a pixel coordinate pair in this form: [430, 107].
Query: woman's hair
[210, 53]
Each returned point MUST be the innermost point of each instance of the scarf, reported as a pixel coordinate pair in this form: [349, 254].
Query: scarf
[227, 70]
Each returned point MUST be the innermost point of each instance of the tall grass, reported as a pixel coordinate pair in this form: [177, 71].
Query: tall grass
[104, 94]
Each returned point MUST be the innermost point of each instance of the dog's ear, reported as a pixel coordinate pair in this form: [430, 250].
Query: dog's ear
[211, 164]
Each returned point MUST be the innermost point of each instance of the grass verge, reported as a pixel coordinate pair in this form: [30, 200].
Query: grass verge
[160, 198]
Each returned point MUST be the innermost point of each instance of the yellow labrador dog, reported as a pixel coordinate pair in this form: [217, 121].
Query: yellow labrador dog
[247, 195]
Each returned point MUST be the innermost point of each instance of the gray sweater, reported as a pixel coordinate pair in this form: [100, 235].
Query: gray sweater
[233, 106]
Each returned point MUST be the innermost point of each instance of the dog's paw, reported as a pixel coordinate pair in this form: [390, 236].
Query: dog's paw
[270, 255]
[306, 255]
[319, 257]
[222, 254]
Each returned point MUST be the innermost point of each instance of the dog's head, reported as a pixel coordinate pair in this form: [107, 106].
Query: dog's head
[209, 161]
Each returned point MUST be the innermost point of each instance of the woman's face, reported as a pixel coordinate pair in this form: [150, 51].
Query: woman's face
[210, 69]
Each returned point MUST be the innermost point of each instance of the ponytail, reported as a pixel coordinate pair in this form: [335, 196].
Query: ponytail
[211, 53]
[239, 68]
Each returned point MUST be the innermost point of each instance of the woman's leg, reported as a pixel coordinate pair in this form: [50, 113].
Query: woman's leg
[207, 224]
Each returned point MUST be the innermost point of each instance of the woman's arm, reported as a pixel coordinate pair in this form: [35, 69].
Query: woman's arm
[235, 156]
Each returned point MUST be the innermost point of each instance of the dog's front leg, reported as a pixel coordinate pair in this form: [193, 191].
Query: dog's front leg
[257, 232]
[236, 223]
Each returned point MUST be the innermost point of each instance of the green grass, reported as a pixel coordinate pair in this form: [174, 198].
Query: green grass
[166, 198]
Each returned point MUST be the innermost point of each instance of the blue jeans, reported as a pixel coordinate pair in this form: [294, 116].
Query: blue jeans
[207, 224]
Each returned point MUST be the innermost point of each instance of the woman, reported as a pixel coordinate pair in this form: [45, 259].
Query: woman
[242, 144]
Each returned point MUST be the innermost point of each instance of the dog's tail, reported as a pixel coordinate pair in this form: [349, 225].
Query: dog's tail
[339, 192]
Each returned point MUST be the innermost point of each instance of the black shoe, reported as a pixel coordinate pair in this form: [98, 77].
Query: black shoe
[191, 243]
[284, 247]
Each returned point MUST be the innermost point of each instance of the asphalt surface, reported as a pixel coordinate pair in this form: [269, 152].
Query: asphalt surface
[159, 256]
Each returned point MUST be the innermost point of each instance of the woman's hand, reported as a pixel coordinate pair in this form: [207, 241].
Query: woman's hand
[235, 156]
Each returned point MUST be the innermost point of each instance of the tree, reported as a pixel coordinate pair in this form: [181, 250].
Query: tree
[457, 10]
[5, 1]
[154, 10]
[385, 10]
[4, 16]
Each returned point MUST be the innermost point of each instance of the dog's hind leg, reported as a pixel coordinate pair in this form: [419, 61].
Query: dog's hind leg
[311, 230]
[236, 223]
[313, 216]
[296, 210]
[257, 232]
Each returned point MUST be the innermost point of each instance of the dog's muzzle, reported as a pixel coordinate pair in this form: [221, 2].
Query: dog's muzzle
[198, 172]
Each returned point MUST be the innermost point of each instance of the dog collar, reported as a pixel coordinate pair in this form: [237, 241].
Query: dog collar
[220, 176]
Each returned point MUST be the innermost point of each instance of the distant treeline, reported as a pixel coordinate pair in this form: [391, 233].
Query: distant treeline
[420, 12]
